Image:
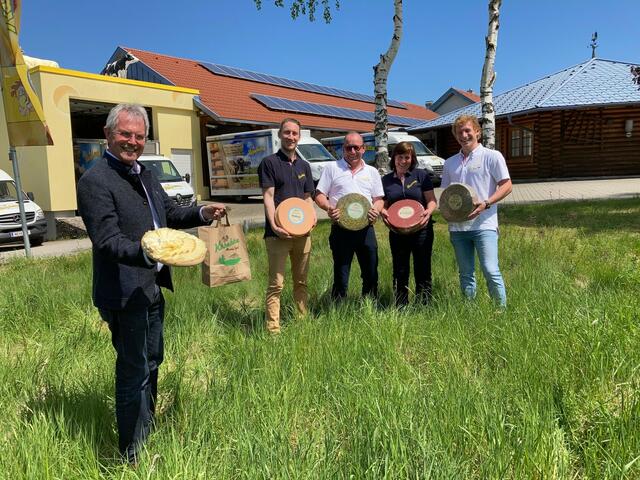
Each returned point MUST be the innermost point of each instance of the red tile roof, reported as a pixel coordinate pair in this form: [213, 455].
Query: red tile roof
[470, 95]
[230, 97]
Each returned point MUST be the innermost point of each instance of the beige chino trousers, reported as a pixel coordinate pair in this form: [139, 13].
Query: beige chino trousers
[278, 249]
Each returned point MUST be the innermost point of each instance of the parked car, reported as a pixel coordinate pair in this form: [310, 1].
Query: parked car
[176, 186]
[10, 224]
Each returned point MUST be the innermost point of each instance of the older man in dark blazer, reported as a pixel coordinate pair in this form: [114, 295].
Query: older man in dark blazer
[119, 201]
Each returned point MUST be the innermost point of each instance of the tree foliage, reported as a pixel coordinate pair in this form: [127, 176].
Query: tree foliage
[306, 8]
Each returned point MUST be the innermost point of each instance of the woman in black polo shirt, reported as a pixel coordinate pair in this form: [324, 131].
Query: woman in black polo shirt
[408, 182]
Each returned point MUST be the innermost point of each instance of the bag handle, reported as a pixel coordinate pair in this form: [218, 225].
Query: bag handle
[218, 221]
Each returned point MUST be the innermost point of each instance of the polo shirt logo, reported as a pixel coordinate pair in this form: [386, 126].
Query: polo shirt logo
[301, 176]
[412, 184]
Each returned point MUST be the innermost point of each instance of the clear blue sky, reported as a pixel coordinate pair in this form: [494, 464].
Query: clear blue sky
[443, 43]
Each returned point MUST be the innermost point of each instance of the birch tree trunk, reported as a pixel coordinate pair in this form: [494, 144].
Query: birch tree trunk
[381, 72]
[488, 120]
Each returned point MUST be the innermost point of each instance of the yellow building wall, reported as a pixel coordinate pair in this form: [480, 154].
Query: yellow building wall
[49, 171]
[180, 131]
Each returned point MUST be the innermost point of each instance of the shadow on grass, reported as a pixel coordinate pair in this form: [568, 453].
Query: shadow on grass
[593, 216]
[239, 314]
[323, 303]
[81, 415]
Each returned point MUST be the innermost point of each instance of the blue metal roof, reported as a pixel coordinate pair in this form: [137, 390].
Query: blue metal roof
[595, 82]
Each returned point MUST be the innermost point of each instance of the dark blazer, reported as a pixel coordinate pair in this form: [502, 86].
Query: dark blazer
[115, 210]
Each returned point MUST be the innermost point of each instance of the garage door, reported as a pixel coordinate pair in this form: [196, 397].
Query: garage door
[183, 159]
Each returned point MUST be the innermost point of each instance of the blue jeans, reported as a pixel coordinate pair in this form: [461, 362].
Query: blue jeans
[136, 335]
[485, 242]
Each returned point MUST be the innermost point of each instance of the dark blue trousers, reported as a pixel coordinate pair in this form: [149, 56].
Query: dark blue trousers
[420, 245]
[136, 335]
[344, 243]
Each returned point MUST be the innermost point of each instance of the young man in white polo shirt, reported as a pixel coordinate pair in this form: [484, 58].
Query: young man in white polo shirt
[351, 175]
[486, 172]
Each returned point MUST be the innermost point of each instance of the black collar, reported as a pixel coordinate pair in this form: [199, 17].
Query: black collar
[285, 158]
[119, 166]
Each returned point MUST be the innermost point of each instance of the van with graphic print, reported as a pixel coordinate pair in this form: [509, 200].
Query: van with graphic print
[234, 159]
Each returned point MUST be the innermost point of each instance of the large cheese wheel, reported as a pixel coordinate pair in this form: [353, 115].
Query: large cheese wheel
[296, 216]
[173, 247]
[456, 202]
[405, 215]
[353, 211]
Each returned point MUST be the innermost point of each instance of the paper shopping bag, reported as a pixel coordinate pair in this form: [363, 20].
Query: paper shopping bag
[227, 259]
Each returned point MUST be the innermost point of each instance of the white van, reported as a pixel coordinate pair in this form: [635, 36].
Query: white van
[176, 186]
[426, 158]
[10, 225]
[234, 159]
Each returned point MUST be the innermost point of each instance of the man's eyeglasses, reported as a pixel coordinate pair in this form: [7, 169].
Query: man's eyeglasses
[127, 135]
[353, 147]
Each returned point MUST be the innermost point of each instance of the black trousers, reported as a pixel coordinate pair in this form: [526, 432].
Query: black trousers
[344, 243]
[420, 245]
[136, 335]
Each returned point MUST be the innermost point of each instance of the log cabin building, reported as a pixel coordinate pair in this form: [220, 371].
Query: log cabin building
[581, 122]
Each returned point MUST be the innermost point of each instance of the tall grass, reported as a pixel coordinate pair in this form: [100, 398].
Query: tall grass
[546, 389]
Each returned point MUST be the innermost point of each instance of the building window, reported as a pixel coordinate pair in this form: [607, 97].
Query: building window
[521, 142]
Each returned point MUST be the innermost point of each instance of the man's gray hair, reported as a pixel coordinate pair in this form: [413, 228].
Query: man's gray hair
[132, 109]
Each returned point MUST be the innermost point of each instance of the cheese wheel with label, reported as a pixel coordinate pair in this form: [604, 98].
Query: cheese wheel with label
[405, 215]
[353, 211]
[296, 216]
[456, 202]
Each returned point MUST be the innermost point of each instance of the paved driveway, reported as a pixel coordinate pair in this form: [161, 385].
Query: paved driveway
[251, 211]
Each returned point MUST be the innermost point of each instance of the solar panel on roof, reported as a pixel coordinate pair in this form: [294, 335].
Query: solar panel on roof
[285, 82]
[284, 104]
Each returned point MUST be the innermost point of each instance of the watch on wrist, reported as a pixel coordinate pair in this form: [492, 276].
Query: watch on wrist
[487, 205]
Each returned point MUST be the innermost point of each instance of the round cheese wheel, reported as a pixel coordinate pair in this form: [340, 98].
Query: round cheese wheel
[405, 215]
[353, 211]
[173, 247]
[456, 202]
[296, 216]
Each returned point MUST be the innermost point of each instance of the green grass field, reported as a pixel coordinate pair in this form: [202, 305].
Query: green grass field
[547, 389]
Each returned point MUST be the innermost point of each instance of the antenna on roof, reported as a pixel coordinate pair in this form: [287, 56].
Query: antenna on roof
[594, 44]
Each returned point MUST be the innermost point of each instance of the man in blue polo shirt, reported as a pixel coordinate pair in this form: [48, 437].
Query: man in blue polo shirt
[284, 175]
[484, 170]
